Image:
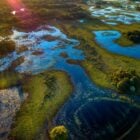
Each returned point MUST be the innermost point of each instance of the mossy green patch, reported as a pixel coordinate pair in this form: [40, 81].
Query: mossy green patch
[6, 46]
[123, 41]
[98, 76]
[9, 79]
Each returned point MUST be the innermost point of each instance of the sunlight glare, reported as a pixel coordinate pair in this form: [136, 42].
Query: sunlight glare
[22, 9]
[15, 4]
[13, 12]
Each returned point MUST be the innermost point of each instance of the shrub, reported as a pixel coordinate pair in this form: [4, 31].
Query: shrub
[133, 36]
[6, 47]
[126, 81]
[123, 85]
[59, 133]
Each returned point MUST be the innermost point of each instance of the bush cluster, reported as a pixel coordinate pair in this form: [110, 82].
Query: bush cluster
[126, 81]
[134, 36]
[59, 133]
[6, 47]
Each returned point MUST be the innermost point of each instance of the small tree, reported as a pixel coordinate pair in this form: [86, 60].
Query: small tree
[126, 81]
[59, 133]
[6, 46]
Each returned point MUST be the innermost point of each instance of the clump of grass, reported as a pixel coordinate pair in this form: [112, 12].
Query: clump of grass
[9, 79]
[6, 46]
[96, 75]
[126, 81]
[123, 41]
[59, 133]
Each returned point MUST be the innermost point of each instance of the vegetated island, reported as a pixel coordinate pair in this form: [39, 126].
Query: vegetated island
[45, 96]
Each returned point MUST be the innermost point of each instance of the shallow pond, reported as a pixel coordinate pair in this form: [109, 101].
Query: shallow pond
[45, 46]
[106, 39]
[113, 16]
[91, 112]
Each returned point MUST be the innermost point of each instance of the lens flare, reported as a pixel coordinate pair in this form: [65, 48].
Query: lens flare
[24, 15]
[17, 7]
[13, 12]
[15, 4]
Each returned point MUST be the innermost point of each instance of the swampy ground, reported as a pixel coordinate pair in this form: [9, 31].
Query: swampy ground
[48, 89]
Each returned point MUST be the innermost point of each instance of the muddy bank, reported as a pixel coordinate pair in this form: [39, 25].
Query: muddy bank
[10, 101]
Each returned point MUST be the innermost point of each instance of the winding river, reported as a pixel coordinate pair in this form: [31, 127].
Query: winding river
[91, 112]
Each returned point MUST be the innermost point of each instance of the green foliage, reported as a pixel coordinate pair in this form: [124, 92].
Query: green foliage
[133, 36]
[59, 133]
[6, 46]
[123, 85]
[9, 79]
[126, 81]
[51, 83]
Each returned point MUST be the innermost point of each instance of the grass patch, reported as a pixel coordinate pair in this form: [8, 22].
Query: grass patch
[9, 79]
[129, 38]
[47, 93]
[123, 41]
[97, 75]
[6, 47]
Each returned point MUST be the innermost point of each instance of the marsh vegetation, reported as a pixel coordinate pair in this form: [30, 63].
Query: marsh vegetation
[55, 43]
[6, 46]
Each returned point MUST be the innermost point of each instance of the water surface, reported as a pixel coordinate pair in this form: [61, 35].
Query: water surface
[112, 15]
